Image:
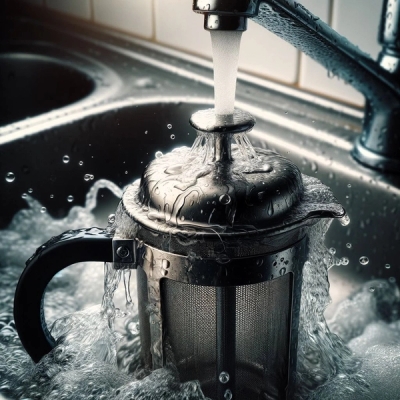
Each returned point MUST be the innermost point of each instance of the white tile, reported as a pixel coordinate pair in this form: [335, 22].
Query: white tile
[314, 77]
[261, 52]
[178, 26]
[265, 54]
[77, 8]
[133, 16]
[359, 22]
[36, 2]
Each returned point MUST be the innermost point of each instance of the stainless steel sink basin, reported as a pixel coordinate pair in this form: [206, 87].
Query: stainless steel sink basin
[32, 84]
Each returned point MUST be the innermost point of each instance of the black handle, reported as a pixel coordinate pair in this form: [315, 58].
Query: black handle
[71, 247]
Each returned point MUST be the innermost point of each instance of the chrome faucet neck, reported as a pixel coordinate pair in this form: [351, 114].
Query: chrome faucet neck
[379, 145]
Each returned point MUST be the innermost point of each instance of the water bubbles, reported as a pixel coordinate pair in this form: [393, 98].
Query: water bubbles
[159, 154]
[344, 261]
[348, 245]
[372, 289]
[224, 377]
[52, 196]
[43, 210]
[392, 279]
[364, 260]
[133, 328]
[387, 266]
[70, 198]
[345, 220]
[349, 185]
[282, 271]
[88, 177]
[267, 168]
[65, 159]
[10, 177]
[30, 190]
[172, 137]
[228, 394]
[111, 218]
[24, 195]
[314, 167]
[80, 163]
[169, 126]
[332, 251]
[225, 199]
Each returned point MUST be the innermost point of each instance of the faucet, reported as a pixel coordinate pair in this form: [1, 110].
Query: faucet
[378, 146]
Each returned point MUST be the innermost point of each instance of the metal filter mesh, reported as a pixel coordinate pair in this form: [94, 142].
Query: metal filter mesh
[257, 340]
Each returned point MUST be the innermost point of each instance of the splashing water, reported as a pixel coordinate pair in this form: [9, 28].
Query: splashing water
[98, 348]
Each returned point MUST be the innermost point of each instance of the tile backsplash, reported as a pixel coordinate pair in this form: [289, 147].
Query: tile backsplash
[172, 23]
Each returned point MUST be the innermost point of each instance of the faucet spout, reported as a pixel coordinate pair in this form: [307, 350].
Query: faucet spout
[379, 144]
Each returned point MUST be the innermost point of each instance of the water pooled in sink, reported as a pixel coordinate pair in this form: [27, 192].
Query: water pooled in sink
[98, 360]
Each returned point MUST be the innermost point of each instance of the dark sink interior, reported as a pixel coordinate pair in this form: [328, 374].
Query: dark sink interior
[114, 145]
[32, 84]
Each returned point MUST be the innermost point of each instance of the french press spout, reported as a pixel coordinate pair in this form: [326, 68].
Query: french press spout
[218, 235]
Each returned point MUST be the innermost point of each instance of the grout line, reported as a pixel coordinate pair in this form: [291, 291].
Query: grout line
[91, 5]
[331, 11]
[153, 21]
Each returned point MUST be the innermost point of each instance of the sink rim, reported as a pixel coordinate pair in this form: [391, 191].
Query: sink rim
[105, 88]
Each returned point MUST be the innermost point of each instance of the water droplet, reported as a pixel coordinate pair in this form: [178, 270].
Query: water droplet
[111, 218]
[224, 377]
[70, 198]
[133, 328]
[43, 210]
[159, 154]
[146, 132]
[24, 195]
[267, 168]
[314, 166]
[87, 177]
[332, 251]
[282, 271]
[348, 245]
[30, 190]
[52, 196]
[387, 266]
[65, 159]
[172, 137]
[80, 163]
[364, 260]
[225, 199]
[392, 279]
[345, 220]
[372, 289]
[10, 177]
[344, 261]
[228, 394]
[169, 126]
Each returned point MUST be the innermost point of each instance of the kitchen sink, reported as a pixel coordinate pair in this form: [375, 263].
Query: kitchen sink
[117, 98]
[32, 83]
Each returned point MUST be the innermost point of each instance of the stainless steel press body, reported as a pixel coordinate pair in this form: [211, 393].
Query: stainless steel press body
[218, 235]
[220, 257]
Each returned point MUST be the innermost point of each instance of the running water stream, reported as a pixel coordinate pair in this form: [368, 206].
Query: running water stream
[97, 356]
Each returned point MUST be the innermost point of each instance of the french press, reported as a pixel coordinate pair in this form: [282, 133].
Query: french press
[218, 235]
